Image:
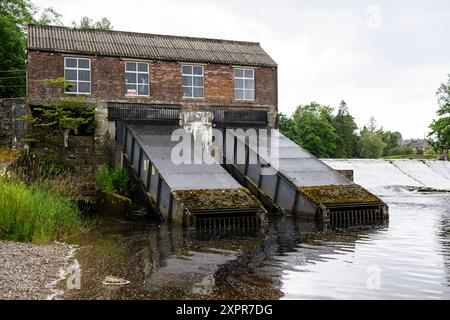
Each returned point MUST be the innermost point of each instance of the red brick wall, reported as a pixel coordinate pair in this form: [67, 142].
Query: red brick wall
[108, 83]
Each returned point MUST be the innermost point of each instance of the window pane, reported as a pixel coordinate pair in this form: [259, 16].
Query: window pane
[198, 92]
[71, 63]
[250, 95]
[142, 67]
[130, 77]
[70, 75]
[84, 75]
[83, 63]
[130, 89]
[84, 87]
[143, 78]
[239, 94]
[71, 87]
[143, 90]
[238, 73]
[187, 69]
[187, 92]
[187, 81]
[198, 70]
[248, 73]
[249, 84]
[238, 83]
[198, 81]
[130, 66]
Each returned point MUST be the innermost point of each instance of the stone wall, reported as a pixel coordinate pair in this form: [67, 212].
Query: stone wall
[12, 126]
[5, 124]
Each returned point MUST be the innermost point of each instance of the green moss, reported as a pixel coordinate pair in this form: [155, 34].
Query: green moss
[339, 194]
[210, 199]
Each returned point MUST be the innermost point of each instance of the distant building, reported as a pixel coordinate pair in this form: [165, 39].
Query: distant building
[418, 145]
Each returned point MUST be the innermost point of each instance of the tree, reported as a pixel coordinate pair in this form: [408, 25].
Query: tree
[49, 16]
[370, 142]
[88, 23]
[68, 116]
[19, 12]
[393, 142]
[287, 127]
[345, 127]
[314, 130]
[12, 59]
[440, 128]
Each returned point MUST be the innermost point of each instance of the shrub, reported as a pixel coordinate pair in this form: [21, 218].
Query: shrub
[116, 181]
[430, 154]
[32, 213]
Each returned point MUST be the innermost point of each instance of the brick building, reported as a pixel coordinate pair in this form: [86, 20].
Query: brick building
[146, 70]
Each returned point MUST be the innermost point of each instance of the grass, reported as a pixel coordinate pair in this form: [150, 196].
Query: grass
[36, 214]
[115, 181]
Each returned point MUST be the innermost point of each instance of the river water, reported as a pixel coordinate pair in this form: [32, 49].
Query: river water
[291, 259]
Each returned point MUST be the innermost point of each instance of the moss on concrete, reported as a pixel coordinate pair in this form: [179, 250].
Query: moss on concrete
[211, 199]
[339, 194]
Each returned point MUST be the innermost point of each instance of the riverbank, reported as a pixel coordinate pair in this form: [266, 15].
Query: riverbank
[30, 271]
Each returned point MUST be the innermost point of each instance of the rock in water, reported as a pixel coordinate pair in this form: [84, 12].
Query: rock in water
[115, 281]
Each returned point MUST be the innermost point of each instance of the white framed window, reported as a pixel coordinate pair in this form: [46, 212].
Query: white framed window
[244, 84]
[136, 78]
[193, 81]
[77, 74]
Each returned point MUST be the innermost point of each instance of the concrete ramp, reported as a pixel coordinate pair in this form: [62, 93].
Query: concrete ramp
[292, 180]
[433, 174]
[204, 195]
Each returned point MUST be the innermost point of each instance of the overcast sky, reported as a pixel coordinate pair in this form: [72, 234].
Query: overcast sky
[384, 58]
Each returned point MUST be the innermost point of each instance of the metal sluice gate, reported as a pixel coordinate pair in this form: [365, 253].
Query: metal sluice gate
[191, 194]
[292, 180]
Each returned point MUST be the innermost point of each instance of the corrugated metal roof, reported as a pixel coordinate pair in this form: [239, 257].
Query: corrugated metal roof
[150, 46]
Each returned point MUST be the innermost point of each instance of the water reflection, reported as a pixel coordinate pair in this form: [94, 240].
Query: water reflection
[291, 259]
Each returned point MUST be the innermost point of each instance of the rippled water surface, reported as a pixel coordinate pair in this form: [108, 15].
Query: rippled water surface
[408, 258]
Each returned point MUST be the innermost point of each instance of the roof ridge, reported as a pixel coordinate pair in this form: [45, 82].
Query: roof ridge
[144, 34]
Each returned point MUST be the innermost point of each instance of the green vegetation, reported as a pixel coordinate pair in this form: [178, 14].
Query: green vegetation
[326, 135]
[14, 17]
[71, 115]
[440, 128]
[88, 23]
[34, 213]
[115, 181]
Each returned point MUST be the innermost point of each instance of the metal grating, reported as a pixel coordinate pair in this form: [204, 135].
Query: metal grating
[355, 217]
[241, 116]
[122, 111]
[228, 223]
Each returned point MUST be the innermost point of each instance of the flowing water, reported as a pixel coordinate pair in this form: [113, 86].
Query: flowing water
[290, 259]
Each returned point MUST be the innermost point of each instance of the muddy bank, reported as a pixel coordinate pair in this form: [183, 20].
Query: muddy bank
[30, 271]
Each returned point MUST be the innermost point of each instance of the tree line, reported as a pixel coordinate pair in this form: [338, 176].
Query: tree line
[327, 135]
[15, 15]
[316, 128]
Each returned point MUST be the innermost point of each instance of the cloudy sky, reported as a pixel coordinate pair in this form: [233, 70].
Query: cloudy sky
[384, 58]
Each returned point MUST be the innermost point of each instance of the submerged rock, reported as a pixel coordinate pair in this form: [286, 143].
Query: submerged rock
[112, 204]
